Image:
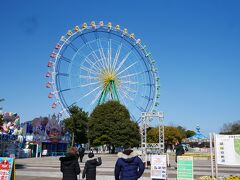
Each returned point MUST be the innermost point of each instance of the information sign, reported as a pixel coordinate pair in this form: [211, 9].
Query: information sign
[159, 167]
[184, 167]
[227, 149]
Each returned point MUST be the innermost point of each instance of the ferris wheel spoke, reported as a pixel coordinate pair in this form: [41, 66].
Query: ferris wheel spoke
[127, 68]
[92, 64]
[132, 116]
[147, 98]
[129, 89]
[117, 55]
[129, 82]
[124, 59]
[84, 85]
[130, 75]
[96, 98]
[90, 47]
[99, 45]
[127, 95]
[63, 110]
[65, 58]
[62, 74]
[102, 54]
[88, 77]
[89, 61]
[140, 108]
[109, 53]
[91, 92]
[147, 84]
[89, 70]
[70, 88]
[86, 95]
[121, 97]
[73, 47]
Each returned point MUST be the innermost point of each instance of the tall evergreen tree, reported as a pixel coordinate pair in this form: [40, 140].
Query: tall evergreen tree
[110, 123]
[77, 124]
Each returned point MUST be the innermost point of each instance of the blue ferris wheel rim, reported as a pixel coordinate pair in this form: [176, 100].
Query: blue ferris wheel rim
[151, 75]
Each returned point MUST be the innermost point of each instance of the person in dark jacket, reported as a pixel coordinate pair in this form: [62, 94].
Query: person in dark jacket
[90, 167]
[69, 165]
[179, 150]
[128, 166]
[81, 152]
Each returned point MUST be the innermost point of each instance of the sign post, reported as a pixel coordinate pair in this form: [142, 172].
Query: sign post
[185, 168]
[7, 168]
[211, 152]
[216, 154]
[159, 167]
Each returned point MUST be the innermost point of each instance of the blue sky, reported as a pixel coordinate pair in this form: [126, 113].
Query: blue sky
[196, 45]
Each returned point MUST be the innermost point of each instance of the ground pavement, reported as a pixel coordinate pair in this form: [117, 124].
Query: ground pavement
[48, 168]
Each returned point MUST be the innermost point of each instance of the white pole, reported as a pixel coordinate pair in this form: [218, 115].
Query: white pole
[215, 156]
[40, 155]
[145, 149]
[211, 151]
[37, 151]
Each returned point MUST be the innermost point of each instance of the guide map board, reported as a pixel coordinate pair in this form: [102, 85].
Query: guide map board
[7, 168]
[184, 167]
[227, 149]
[159, 167]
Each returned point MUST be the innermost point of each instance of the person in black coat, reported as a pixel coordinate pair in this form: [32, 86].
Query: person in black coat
[81, 152]
[69, 165]
[90, 167]
[179, 150]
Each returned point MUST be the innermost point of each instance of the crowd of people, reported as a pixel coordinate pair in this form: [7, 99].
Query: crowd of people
[128, 166]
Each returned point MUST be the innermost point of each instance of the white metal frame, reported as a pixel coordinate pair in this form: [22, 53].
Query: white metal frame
[146, 118]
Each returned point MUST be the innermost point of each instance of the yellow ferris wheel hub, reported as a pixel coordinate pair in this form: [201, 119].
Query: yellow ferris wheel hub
[106, 76]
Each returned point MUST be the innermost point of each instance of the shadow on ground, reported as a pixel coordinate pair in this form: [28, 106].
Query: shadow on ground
[19, 166]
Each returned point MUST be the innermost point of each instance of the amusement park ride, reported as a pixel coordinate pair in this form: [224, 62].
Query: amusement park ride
[94, 63]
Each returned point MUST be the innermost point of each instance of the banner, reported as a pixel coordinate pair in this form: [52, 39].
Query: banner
[184, 167]
[7, 169]
[227, 149]
[159, 167]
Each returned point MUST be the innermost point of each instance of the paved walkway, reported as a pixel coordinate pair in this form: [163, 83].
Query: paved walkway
[48, 168]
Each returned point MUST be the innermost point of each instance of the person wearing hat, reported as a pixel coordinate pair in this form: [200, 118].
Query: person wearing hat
[128, 166]
[69, 164]
[90, 167]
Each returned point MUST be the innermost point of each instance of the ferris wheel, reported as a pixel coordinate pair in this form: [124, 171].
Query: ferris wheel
[98, 62]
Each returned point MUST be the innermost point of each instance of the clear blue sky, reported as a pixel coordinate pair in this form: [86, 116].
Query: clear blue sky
[196, 45]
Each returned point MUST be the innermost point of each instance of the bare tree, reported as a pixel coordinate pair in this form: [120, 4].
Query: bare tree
[231, 128]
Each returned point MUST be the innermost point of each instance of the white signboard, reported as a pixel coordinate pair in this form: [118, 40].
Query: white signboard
[44, 153]
[159, 167]
[227, 149]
